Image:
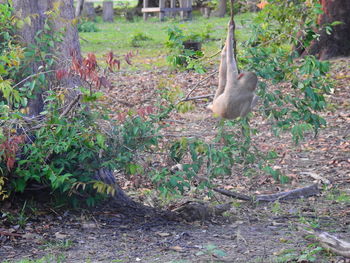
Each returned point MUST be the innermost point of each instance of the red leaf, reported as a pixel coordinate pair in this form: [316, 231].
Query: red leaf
[61, 73]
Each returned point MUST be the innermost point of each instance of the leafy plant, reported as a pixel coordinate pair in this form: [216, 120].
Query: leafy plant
[294, 109]
[273, 61]
[62, 150]
[179, 56]
[138, 39]
[212, 251]
[20, 219]
[87, 26]
[280, 22]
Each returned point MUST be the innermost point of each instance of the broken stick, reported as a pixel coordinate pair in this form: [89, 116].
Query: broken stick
[288, 195]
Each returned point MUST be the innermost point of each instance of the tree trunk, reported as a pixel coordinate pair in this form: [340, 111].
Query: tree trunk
[36, 11]
[89, 11]
[79, 8]
[338, 43]
[27, 33]
[221, 11]
[108, 11]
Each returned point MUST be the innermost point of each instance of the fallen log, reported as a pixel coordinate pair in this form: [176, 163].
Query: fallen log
[288, 195]
[331, 242]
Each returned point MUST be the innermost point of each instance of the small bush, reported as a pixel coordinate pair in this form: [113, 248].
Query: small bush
[87, 26]
[138, 39]
[179, 56]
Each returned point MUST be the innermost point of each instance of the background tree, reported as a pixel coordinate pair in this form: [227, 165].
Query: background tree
[221, 11]
[338, 42]
[79, 7]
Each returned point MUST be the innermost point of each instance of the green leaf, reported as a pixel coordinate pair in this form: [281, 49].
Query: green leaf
[335, 23]
[100, 140]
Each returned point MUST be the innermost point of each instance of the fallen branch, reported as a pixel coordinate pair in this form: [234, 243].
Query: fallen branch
[234, 194]
[70, 106]
[31, 76]
[330, 242]
[3, 233]
[317, 177]
[288, 195]
[197, 85]
[198, 97]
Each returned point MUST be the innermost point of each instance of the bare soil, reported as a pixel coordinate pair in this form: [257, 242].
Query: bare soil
[267, 232]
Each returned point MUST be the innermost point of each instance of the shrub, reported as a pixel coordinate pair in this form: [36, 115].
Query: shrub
[138, 39]
[179, 56]
[60, 150]
[87, 26]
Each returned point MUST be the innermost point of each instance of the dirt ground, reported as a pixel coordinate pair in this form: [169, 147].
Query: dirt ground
[248, 232]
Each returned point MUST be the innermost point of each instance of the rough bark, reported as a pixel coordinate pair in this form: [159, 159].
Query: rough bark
[23, 9]
[338, 43]
[36, 11]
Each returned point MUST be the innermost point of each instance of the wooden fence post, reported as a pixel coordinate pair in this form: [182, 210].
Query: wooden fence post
[189, 13]
[161, 13]
[145, 5]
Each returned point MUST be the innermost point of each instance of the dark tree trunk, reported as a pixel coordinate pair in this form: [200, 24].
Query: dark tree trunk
[338, 43]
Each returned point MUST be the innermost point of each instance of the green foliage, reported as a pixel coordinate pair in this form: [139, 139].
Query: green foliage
[276, 174]
[179, 56]
[62, 152]
[295, 110]
[87, 26]
[174, 94]
[138, 39]
[212, 251]
[19, 219]
[310, 254]
[209, 159]
[10, 57]
[293, 105]
[280, 22]
[67, 152]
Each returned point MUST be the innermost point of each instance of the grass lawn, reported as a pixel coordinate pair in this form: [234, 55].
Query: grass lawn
[117, 37]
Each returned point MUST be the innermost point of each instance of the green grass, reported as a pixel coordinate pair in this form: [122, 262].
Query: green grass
[117, 37]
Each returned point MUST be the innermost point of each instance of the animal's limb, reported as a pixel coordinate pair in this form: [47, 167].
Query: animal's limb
[232, 71]
[222, 73]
